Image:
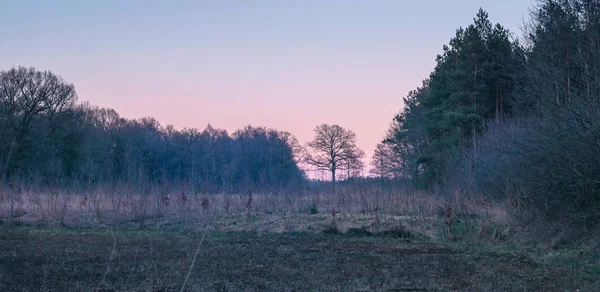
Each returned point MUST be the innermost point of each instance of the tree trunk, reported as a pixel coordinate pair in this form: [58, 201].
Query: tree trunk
[497, 101]
[348, 178]
[333, 178]
[7, 162]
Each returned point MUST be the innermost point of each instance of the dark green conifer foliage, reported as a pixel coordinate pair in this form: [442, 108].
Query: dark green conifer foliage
[471, 84]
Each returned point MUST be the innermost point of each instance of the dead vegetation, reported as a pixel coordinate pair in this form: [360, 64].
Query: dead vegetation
[109, 207]
[160, 260]
[379, 240]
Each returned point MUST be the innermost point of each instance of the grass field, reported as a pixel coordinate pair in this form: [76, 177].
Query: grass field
[279, 243]
[60, 259]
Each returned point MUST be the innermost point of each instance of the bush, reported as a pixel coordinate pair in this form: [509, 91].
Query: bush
[549, 166]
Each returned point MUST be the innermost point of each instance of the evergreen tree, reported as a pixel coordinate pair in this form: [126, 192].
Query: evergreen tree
[471, 84]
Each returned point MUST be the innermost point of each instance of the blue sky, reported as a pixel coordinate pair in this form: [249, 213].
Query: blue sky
[289, 65]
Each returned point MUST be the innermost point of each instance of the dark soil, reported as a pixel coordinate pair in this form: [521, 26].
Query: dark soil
[83, 260]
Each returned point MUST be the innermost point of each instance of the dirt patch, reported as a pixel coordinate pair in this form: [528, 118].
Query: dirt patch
[60, 260]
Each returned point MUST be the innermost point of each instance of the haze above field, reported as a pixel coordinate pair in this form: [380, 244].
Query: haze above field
[289, 65]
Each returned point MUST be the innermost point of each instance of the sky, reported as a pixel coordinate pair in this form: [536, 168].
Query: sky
[289, 65]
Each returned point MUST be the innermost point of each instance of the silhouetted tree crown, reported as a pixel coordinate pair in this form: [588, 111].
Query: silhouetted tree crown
[49, 140]
[334, 148]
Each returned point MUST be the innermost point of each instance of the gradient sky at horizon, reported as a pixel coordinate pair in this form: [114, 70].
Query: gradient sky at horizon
[289, 65]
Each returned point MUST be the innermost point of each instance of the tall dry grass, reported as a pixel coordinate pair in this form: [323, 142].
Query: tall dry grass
[354, 206]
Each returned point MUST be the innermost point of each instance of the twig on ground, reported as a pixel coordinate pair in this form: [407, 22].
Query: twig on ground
[112, 256]
[193, 261]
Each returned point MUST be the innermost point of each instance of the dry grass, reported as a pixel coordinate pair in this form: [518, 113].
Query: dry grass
[353, 208]
[158, 260]
[382, 240]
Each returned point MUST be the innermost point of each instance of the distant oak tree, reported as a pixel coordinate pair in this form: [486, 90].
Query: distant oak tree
[333, 148]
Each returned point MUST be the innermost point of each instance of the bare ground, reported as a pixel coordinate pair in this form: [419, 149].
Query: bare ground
[49, 259]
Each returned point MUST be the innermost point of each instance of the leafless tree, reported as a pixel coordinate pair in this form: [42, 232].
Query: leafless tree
[380, 161]
[353, 164]
[26, 93]
[332, 148]
[386, 163]
[298, 151]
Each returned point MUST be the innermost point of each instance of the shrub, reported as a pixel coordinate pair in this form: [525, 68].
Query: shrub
[548, 166]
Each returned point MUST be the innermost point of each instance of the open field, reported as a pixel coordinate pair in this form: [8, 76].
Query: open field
[355, 242]
[328, 160]
[158, 260]
[104, 207]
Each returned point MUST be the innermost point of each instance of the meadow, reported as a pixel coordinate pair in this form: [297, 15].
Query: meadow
[352, 240]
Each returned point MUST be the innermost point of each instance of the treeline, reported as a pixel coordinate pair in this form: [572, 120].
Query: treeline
[49, 140]
[475, 81]
[510, 118]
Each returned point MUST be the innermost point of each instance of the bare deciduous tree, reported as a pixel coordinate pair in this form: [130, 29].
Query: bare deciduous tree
[386, 162]
[26, 93]
[332, 148]
[298, 151]
[353, 164]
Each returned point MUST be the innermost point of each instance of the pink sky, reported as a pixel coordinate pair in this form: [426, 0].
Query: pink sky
[289, 65]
